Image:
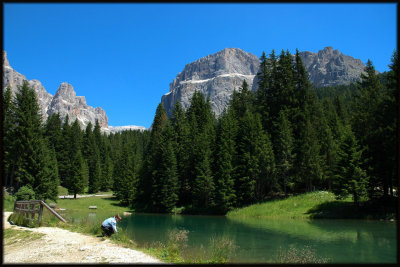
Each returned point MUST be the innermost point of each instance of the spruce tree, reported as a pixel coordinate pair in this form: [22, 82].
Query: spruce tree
[9, 157]
[78, 180]
[27, 135]
[247, 163]
[366, 124]
[263, 80]
[165, 179]
[64, 155]
[125, 177]
[182, 151]
[284, 152]
[225, 161]
[202, 129]
[350, 177]
[145, 183]
[266, 180]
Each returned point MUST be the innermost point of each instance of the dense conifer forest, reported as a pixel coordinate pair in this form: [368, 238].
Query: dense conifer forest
[283, 139]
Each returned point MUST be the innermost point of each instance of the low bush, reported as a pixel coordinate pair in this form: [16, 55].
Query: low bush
[305, 255]
[25, 193]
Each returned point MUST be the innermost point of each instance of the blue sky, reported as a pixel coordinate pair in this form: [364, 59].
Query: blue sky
[122, 57]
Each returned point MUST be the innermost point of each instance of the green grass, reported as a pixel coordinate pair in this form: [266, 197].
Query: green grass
[292, 207]
[318, 205]
[8, 202]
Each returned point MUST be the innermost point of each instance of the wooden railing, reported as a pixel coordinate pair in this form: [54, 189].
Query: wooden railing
[32, 207]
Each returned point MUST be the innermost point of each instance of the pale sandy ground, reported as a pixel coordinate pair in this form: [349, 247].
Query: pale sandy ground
[62, 246]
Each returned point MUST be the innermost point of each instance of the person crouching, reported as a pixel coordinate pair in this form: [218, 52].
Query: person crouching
[109, 226]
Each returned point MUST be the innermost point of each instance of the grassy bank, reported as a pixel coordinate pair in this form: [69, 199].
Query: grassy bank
[81, 219]
[317, 205]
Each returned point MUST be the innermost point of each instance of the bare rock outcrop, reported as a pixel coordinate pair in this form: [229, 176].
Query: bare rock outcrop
[64, 102]
[216, 76]
[330, 67]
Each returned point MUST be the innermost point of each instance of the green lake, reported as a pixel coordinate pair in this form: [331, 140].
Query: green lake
[260, 240]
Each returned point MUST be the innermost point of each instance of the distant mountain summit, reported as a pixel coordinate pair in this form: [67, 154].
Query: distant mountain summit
[216, 76]
[65, 102]
[330, 67]
[219, 74]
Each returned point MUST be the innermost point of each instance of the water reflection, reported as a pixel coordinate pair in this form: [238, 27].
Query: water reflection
[260, 240]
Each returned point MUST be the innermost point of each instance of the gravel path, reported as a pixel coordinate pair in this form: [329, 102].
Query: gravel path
[62, 246]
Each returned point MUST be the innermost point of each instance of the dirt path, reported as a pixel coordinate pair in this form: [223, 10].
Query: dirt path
[62, 246]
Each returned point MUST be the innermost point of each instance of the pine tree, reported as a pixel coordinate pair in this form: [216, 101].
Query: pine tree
[247, 164]
[27, 135]
[165, 180]
[266, 180]
[77, 181]
[263, 78]
[366, 124]
[202, 130]
[64, 155]
[225, 159]
[53, 131]
[125, 177]
[182, 151]
[284, 152]
[350, 177]
[310, 164]
[146, 182]
[9, 157]
[389, 126]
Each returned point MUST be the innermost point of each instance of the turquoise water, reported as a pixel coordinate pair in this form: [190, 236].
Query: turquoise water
[261, 240]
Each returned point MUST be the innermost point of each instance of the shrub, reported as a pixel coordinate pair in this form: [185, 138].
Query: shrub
[302, 256]
[25, 193]
[18, 218]
[177, 241]
[222, 249]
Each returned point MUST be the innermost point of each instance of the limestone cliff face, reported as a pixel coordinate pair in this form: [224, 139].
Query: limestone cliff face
[64, 102]
[218, 75]
[14, 80]
[330, 67]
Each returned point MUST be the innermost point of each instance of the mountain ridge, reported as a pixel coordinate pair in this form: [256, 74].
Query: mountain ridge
[218, 75]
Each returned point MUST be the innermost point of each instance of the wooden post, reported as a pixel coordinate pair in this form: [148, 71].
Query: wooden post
[40, 212]
[52, 211]
[33, 213]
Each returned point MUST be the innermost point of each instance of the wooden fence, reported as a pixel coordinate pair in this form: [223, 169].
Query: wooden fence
[32, 207]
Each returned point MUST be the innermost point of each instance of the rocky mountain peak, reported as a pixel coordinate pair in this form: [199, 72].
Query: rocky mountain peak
[219, 74]
[65, 102]
[5, 60]
[65, 90]
[330, 67]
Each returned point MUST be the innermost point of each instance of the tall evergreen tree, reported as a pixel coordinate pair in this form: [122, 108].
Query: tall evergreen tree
[77, 182]
[27, 135]
[165, 180]
[350, 177]
[125, 176]
[284, 152]
[263, 79]
[64, 155]
[36, 166]
[182, 151]
[9, 157]
[247, 166]
[145, 184]
[366, 125]
[225, 161]
[202, 129]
